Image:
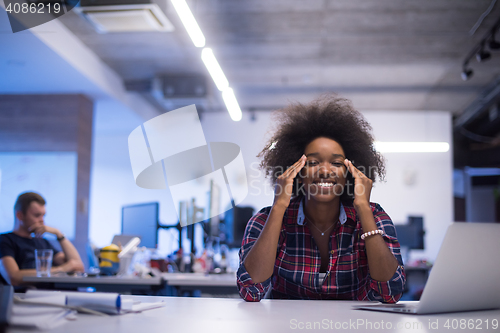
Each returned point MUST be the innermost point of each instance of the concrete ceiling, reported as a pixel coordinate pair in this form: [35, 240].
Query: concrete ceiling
[384, 54]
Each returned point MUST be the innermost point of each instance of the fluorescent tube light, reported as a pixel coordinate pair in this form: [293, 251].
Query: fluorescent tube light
[232, 104]
[214, 69]
[187, 18]
[412, 147]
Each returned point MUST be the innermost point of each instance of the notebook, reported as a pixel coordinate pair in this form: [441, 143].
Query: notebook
[465, 275]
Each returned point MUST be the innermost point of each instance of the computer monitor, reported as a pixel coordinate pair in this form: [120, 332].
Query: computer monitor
[142, 221]
[213, 209]
[236, 221]
[411, 235]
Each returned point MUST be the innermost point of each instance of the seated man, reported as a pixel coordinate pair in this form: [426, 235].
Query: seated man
[17, 248]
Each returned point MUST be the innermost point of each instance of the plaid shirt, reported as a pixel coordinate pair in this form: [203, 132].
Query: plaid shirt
[296, 269]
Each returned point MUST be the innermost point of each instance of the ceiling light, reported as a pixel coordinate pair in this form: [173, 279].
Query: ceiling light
[214, 69]
[466, 73]
[493, 44]
[482, 54]
[187, 18]
[412, 147]
[232, 104]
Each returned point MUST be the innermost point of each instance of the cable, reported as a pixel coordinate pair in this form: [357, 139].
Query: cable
[482, 17]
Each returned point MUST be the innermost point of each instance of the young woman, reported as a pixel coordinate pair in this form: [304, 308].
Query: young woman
[322, 238]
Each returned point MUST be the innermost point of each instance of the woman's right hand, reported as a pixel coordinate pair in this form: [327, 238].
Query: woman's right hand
[283, 188]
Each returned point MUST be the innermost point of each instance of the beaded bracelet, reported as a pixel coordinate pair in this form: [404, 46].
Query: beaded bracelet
[370, 233]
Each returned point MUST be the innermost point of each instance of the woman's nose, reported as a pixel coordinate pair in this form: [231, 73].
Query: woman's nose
[325, 168]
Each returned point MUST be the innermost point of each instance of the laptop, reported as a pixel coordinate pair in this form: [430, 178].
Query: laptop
[122, 240]
[465, 276]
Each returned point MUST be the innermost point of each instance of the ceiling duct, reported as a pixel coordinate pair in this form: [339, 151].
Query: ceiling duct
[179, 90]
[173, 91]
[125, 15]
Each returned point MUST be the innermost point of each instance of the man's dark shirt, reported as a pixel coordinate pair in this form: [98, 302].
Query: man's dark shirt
[23, 249]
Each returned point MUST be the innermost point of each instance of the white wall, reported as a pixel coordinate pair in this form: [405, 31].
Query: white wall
[431, 193]
[112, 183]
[52, 174]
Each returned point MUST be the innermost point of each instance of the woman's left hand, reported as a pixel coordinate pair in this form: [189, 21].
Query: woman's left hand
[362, 185]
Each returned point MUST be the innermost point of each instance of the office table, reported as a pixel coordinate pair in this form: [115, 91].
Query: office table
[211, 283]
[183, 314]
[132, 285]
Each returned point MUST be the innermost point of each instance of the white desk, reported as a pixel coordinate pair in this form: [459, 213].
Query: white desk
[211, 283]
[100, 283]
[199, 279]
[200, 315]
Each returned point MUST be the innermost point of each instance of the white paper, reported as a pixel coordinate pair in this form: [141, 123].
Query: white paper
[41, 317]
[52, 298]
[147, 306]
[103, 302]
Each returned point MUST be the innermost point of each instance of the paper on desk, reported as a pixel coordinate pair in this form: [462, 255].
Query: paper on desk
[40, 317]
[103, 302]
[129, 305]
[52, 298]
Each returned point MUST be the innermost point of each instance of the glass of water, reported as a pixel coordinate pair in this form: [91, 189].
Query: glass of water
[43, 262]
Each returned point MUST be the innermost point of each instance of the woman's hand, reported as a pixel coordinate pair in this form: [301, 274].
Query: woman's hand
[362, 185]
[283, 187]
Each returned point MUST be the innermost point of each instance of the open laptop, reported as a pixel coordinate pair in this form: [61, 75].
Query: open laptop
[465, 276]
[122, 240]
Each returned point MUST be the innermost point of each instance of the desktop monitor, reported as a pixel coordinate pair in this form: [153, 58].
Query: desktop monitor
[411, 235]
[236, 221]
[213, 209]
[142, 221]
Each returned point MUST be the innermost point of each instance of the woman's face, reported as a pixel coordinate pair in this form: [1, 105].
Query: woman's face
[324, 173]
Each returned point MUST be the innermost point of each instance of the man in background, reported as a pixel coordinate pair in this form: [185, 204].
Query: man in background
[17, 248]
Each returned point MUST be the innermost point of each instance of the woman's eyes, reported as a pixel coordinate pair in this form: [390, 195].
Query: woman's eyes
[313, 163]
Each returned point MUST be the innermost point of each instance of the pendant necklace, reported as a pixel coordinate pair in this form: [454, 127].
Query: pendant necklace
[322, 232]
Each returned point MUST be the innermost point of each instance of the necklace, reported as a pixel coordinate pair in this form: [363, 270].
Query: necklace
[322, 232]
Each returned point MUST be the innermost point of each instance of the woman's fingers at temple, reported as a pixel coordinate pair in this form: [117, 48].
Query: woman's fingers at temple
[295, 168]
[284, 183]
[352, 169]
[362, 184]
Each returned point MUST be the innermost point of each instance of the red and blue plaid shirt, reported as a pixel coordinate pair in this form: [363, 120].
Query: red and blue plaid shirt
[296, 269]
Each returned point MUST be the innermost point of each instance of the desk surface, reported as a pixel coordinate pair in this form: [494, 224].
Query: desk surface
[199, 279]
[183, 314]
[173, 279]
[94, 280]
